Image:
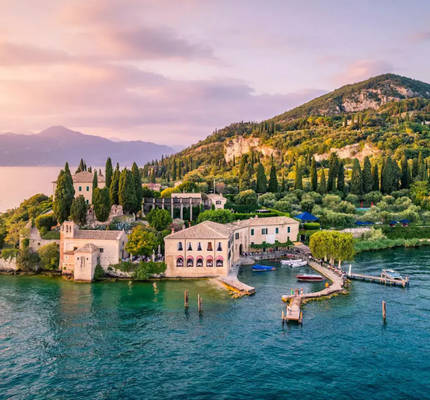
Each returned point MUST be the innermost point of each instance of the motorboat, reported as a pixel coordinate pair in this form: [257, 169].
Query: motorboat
[309, 278]
[263, 268]
[294, 263]
[391, 274]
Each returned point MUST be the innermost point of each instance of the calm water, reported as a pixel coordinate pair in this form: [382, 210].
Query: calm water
[108, 340]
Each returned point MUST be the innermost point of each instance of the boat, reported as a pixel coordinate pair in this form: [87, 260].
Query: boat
[294, 263]
[262, 268]
[391, 274]
[309, 278]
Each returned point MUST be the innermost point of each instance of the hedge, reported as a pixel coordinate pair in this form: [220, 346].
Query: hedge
[406, 232]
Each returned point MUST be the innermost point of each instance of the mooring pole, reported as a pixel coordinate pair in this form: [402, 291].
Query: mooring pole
[199, 303]
[186, 299]
[384, 310]
[283, 318]
[349, 272]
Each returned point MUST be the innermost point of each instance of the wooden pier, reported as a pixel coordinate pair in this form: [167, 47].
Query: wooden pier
[240, 288]
[379, 279]
[293, 312]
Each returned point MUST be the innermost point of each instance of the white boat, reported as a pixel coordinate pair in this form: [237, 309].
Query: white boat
[294, 263]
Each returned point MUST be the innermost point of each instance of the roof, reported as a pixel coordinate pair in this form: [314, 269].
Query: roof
[216, 196]
[305, 216]
[86, 177]
[187, 195]
[87, 248]
[97, 234]
[265, 221]
[204, 230]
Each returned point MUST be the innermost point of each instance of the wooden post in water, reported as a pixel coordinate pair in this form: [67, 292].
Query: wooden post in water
[283, 318]
[199, 303]
[384, 310]
[186, 299]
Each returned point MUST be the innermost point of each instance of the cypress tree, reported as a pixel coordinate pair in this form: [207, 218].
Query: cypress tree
[137, 186]
[81, 166]
[78, 210]
[114, 187]
[355, 184]
[414, 168]
[108, 172]
[322, 188]
[273, 180]
[261, 179]
[95, 185]
[421, 167]
[127, 192]
[298, 180]
[332, 172]
[375, 178]
[64, 195]
[341, 177]
[101, 202]
[387, 177]
[405, 178]
[314, 175]
[367, 180]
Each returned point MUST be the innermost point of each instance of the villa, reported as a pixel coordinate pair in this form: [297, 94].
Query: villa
[211, 249]
[83, 184]
[81, 250]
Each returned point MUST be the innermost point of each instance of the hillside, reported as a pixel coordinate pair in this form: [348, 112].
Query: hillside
[56, 144]
[387, 114]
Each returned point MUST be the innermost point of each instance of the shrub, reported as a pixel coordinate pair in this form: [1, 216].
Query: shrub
[247, 198]
[99, 272]
[49, 256]
[221, 216]
[27, 260]
[283, 205]
[145, 270]
[352, 198]
[312, 225]
[159, 219]
[267, 199]
[45, 222]
[9, 253]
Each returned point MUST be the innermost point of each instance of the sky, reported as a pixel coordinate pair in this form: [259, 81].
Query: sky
[172, 72]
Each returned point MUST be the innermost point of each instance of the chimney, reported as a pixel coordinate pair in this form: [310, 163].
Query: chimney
[173, 230]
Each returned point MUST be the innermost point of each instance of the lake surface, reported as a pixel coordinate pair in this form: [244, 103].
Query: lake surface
[19, 183]
[60, 340]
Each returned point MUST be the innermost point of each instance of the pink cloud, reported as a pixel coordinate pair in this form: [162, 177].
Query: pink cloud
[361, 70]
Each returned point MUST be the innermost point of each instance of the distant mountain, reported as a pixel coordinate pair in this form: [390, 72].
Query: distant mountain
[386, 114]
[56, 145]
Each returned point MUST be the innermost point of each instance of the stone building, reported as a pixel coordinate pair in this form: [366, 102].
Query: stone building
[81, 250]
[83, 184]
[217, 200]
[210, 248]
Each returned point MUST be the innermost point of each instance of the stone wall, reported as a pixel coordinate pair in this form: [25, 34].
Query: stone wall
[8, 265]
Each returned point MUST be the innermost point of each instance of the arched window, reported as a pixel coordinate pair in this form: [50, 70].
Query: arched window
[190, 262]
[219, 262]
[179, 262]
[210, 246]
[209, 262]
[199, 262]
[180, 246]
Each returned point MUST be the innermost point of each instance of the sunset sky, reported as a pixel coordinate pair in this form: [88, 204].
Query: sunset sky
[173, 71]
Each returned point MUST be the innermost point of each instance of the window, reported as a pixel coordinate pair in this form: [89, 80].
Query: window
[180, 248]
[190, 262]
[101, 250]
[288, 229]
[80, 188]
[264, 231]
[236, 235]
[179, 262]
[190, 247]
[219, 248]
[218, 202]
[199, 248]
[199, 262]
[276, 230]
[209, 246]
[252, 232]
[219, 263]
[209, 262]
[88, 188]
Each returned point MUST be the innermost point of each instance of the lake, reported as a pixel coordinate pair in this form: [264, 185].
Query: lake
[115, 341]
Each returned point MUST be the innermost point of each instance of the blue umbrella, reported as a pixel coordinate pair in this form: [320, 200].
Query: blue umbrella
[306, 217]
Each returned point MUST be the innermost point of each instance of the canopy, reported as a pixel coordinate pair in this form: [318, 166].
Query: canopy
[394, 222]
[361, 223]
[306, 217]
[404, 221]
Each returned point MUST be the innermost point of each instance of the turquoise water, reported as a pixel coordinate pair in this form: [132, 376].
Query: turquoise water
[60, 340]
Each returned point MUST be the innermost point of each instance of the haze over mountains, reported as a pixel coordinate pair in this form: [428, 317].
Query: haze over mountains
[57, 144]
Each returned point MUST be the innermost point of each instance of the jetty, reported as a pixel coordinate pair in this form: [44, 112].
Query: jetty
[235, 285]
[378, 279]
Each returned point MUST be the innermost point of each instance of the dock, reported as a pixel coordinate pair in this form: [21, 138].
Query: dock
[379, 279]
[235, 285]
[293, 311]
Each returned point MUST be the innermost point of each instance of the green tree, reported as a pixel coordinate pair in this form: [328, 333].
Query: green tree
[220, 215]
[114, 187]
[137, 179]
[95, 185]
[273, 180]
[355, 184]
[322, 188]
[49, 257]
[332, 172]
[45, 222]
[261, 179]
[108, 172]
[141, 241]
[421, 167]
[405, 178]
[367, 179]
[314, 175]
[64, 195]
[101, 204]
[27, 260]
[415, 168]
[341, 177]
[159, 219]
[78, 210]
[127, 193]
[387, 176]
[298, 180]
[375, 178]
[82, 166]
